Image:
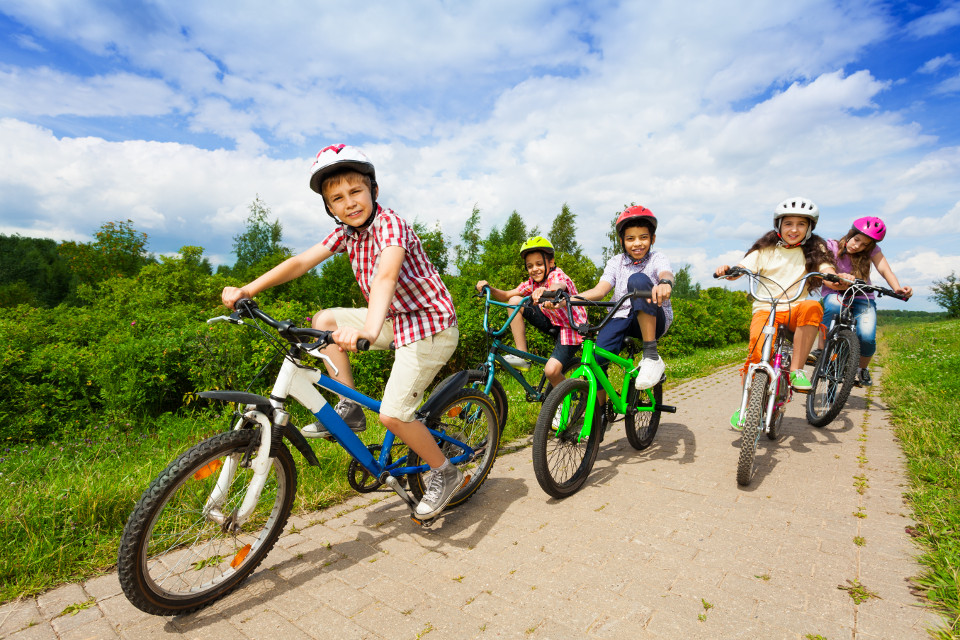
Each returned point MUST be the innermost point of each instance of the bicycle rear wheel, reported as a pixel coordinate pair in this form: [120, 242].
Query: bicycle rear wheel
[562, 459]
[180, 551]
[470, 417]
[833, 378]
[477, 379]
[641, 426]
[753, 425]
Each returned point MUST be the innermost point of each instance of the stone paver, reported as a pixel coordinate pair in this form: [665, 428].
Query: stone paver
[658, 544]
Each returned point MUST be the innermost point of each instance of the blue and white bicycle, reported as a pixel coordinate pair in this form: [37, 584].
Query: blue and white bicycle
[214, 513]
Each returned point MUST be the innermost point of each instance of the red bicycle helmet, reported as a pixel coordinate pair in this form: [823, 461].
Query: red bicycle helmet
[635, 214]
[871, 227]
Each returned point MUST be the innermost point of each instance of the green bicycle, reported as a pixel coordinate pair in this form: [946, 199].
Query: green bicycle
[571, 426]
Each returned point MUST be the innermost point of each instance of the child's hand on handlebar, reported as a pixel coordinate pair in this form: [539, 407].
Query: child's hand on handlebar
[346, 338]
[661, 293]
[231, 295]
[906, 292]
[481, 284]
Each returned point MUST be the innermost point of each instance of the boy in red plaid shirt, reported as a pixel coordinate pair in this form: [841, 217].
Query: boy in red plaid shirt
[400, 284]
[545, 276]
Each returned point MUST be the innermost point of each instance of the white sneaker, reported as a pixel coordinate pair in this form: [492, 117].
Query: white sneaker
[650, 373]
[517, 362]
[442, 484]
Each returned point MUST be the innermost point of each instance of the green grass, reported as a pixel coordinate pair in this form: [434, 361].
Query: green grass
[921, 386]
[63, 505]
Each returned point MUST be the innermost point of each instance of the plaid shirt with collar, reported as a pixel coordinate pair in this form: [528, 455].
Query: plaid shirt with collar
[558, 317]
[421, 305]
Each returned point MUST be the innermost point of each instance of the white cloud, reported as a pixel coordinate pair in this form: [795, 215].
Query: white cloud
[935, 23]
[47, 92]
[935, 64]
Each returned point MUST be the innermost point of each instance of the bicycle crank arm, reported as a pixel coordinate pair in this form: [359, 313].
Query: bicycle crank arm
[393, 483]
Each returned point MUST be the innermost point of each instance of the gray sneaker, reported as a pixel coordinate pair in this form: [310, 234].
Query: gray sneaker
[441, 483]
[352, 414]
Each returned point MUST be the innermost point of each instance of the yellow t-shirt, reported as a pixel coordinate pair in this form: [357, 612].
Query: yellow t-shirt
[784, 266]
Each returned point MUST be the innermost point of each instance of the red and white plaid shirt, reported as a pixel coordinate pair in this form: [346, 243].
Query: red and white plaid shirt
[558, 316]
[422, 305]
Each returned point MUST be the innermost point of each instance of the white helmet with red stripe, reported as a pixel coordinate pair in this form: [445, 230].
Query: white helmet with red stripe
[338, 158]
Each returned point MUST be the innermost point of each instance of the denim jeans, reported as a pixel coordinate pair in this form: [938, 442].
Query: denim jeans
[865, 316]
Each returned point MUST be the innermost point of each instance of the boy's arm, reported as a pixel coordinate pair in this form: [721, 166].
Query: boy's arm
[498, 294]
[288, 270]
[381, 295]
[880, 262]
[662, 291]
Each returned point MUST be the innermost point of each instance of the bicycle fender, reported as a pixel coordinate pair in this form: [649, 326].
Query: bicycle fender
[293, 434]
[262, 403]
[441, 395]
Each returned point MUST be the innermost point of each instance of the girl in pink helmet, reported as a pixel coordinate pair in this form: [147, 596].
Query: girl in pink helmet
[854, 253]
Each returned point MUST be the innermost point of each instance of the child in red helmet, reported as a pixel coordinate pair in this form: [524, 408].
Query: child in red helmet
[637, 267]
[854, 253]
[545, 276]
[408, 304]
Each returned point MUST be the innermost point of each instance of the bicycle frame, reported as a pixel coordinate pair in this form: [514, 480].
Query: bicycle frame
[497, 346]
[300, 383]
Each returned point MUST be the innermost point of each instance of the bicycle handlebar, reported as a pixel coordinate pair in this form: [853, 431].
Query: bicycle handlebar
[859, 285]
[577, 301]
[246, 308]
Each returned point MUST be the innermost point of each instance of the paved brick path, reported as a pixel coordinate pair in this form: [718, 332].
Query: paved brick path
[658, 544]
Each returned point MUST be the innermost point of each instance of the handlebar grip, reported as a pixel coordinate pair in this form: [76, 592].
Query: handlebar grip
[363, 344]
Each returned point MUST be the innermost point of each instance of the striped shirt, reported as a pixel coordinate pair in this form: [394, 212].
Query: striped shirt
[620, 267]
[421, 305]
[558, 316]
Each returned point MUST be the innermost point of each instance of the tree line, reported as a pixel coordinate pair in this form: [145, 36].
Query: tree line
[105, 333]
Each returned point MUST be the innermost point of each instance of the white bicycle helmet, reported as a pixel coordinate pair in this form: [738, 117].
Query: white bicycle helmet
[337, 158]
[797, 207]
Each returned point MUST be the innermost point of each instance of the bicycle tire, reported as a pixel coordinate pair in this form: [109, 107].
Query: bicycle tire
[833, 378]
[753, 425]
[641, 426]
[471, 417]
[477, 379]
[173, 559]
[562, 462]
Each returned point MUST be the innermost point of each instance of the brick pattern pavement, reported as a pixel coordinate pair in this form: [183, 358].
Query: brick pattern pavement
[658, 544]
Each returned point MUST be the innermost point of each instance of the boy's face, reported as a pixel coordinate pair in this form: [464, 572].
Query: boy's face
[349, 199]
[537, 265]
[793, 229]
[637, 241]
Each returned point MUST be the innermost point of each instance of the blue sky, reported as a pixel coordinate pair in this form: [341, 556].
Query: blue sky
[177, 114]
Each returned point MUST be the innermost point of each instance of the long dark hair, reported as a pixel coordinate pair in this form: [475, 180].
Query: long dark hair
[815, 252]
[860, 261]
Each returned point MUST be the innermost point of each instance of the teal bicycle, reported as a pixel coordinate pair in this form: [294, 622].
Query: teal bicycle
[571, 424]
[483, 377]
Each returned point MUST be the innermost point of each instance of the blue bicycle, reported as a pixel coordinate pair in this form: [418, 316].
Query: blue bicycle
[214, 513]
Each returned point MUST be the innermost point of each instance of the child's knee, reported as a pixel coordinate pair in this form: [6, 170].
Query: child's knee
[553, 368]
[325, 320]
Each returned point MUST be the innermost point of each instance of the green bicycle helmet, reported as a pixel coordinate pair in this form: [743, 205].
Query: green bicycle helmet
[536, 243]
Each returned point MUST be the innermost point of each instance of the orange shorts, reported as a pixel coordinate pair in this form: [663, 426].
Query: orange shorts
[802, 314]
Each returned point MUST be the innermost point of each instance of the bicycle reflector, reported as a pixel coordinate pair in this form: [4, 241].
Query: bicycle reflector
[207, 470]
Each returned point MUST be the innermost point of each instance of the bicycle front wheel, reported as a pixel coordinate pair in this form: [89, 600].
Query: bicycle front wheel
[833, 378]
[182, 547]
[470, 417]
[562, 459]
[641, 426]
[753, 425]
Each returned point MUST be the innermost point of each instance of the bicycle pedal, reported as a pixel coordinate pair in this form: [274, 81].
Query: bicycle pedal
[804, 391]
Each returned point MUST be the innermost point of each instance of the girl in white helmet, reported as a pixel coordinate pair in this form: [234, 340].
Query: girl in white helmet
[786, 254]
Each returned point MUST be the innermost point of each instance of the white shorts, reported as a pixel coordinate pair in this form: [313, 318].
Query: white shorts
[414, 367]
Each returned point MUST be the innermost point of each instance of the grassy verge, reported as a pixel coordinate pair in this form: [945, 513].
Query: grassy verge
[921, 386]
[63, 505]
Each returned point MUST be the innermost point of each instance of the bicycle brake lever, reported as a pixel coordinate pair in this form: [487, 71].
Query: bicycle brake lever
[315, 352]
[220, 319]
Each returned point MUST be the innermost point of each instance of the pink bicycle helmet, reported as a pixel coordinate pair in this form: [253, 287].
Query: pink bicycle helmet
[871, 227]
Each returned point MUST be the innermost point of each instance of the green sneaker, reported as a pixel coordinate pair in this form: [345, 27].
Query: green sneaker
[800, 381]
[735, 420]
